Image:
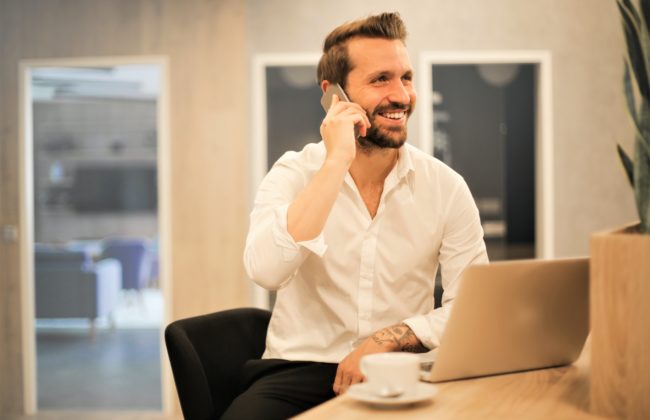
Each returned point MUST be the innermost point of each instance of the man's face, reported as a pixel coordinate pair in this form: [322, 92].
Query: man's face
[381, 81]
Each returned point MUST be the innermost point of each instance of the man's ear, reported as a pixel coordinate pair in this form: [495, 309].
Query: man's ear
[324, 85]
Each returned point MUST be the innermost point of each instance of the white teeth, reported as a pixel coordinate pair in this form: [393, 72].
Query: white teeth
[394, 115]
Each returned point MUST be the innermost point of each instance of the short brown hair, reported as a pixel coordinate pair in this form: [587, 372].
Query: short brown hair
[334, 65]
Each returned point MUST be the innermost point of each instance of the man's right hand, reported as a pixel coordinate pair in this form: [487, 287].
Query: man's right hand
[338, 128]
[308, 212]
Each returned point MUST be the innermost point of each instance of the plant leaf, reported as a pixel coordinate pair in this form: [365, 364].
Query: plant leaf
[643, 127]
[628, 166]
[642, 184]
[645, 144]
[634, 114]
[645, 12]
[629, 95]
[633, 36]
[632, 10]
[632, 109]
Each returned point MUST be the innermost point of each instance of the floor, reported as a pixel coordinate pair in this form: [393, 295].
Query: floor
[117, 369]
[114, 369]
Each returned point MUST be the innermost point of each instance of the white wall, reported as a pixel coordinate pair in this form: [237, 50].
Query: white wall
[586, 43]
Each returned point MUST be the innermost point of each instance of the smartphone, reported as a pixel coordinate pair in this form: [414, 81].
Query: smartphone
[326, 101]
[332, 89]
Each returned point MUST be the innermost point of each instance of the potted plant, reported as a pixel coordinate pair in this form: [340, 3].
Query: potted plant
[620, 259]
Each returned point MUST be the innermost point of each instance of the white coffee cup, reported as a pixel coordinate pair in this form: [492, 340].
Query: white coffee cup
[391, 374]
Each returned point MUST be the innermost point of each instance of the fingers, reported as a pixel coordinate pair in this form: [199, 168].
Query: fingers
[346, 378]
[336, 387]
[351, 116]
[341, 109]
[356, 378]
[342, 380]
[356, 112]
[338, 129]
[335, 100]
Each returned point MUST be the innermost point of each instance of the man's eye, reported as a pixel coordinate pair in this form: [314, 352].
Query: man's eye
[381, 79]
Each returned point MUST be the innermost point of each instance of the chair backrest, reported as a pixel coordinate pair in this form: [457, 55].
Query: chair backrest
[207, 353]
[133, 255]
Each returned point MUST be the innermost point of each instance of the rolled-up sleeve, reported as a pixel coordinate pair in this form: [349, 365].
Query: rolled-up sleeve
[271, 256]
[462, 245]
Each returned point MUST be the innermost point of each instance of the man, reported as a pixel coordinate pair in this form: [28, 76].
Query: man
[351, 231]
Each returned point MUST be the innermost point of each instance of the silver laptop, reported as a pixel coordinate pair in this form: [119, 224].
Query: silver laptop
[513, 316]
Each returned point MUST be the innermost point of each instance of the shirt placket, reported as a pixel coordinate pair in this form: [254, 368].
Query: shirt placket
[369, 262]
[367, 275]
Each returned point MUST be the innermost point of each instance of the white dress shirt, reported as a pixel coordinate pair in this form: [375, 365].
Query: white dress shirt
[361, 274]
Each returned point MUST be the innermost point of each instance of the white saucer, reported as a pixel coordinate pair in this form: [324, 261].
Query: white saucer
[360, 392]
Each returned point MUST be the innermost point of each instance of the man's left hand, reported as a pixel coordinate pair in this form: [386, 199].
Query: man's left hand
[394, 338]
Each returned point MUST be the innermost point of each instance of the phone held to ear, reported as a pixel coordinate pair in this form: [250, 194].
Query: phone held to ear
[332, 89]
[326, 100]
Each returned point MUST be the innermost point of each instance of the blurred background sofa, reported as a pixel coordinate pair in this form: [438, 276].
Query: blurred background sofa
[69, 284]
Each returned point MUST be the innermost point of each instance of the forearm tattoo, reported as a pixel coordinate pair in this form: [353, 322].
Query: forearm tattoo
[399, 337]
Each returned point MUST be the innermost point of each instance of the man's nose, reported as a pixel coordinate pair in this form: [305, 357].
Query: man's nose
[399, 93]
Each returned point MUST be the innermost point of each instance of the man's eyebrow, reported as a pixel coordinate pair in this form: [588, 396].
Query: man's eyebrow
[389, 74]
[380, 73]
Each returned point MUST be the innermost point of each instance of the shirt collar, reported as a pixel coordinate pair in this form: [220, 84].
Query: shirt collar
[401, 170]
[404, 162]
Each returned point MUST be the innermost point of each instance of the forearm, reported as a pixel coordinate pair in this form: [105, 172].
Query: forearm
[308, 213]
[398, 337]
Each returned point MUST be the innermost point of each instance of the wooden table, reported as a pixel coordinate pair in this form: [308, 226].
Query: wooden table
[556, 393]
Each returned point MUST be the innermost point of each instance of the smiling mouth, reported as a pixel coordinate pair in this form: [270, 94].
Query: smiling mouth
[397, 115]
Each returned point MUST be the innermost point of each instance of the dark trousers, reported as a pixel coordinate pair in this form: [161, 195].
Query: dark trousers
[279, 389]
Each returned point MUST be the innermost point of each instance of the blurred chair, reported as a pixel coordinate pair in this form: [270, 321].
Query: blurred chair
[133, 254]
[154, 270]
[68, 284]
[207, 353]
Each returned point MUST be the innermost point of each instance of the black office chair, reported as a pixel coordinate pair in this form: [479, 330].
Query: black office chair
[206, 354]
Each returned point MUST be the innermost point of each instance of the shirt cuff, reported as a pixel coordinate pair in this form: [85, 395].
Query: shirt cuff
[420, 326]
[291, 248]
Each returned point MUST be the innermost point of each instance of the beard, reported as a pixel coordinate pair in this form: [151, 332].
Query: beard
[379, 137]
[383, 138]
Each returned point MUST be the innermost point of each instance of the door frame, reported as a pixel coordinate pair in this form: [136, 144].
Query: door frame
[259, 138]
[25, 124]
[544, 180]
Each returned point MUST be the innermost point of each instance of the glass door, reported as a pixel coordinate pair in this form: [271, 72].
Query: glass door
[97, 297]
[484, 128]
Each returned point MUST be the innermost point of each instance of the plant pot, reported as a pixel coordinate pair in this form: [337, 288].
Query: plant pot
[620, 323]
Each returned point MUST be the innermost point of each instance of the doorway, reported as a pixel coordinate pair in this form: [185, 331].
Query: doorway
[487, 115]
[96, 207]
